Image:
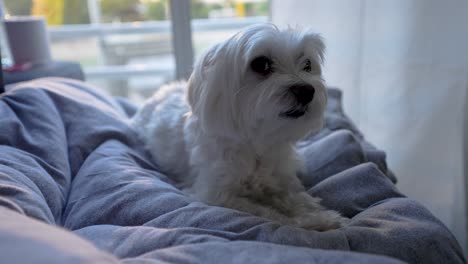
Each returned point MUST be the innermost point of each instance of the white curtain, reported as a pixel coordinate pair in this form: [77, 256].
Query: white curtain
[403, 68]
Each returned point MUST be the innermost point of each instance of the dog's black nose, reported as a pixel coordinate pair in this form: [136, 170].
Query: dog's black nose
[304, 93]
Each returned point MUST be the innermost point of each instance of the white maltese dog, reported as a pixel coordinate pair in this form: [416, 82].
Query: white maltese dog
[228, 135]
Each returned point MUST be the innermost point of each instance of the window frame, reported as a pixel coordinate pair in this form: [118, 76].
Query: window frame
[180, 25]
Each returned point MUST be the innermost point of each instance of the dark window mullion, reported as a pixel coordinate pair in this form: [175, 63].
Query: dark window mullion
[181, 37]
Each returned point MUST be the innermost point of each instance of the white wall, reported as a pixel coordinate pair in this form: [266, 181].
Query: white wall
[339, 22]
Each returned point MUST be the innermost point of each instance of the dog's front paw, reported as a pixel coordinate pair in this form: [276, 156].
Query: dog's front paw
[321, 220]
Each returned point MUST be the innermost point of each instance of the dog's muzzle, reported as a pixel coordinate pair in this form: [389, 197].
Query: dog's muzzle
[303, 94]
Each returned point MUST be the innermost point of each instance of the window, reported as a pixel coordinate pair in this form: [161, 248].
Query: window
[219, 14]
[131, 47]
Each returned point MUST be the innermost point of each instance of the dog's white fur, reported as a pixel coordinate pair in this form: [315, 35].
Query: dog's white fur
[222, 135]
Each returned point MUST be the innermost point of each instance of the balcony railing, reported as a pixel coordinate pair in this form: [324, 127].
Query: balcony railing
[69, 32]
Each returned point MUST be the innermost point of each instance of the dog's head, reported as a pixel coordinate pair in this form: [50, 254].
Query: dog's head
[262, 84]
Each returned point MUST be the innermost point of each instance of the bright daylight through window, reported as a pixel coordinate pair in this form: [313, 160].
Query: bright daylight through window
[126, 46]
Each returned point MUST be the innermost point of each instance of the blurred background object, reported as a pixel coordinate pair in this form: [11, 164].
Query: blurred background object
[127, 46]
[28, 40]
[4, 47]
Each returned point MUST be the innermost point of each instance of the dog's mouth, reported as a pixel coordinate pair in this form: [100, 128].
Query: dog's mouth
[295, 113]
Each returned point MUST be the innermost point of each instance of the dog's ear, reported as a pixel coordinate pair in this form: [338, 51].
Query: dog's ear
[211, 88]
[314, 45]
[198, 77]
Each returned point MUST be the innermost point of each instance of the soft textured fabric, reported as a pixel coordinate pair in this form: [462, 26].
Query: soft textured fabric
[77, 186]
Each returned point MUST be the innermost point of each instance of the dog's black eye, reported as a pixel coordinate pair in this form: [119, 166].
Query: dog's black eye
[262, 65]
[307, 66]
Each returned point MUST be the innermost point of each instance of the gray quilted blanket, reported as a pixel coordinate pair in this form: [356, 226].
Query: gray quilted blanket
[76, 186]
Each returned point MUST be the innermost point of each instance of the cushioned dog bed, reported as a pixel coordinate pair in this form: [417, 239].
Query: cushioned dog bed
[76, 186]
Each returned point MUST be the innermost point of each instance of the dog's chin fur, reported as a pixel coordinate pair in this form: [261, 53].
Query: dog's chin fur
[224, 137]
